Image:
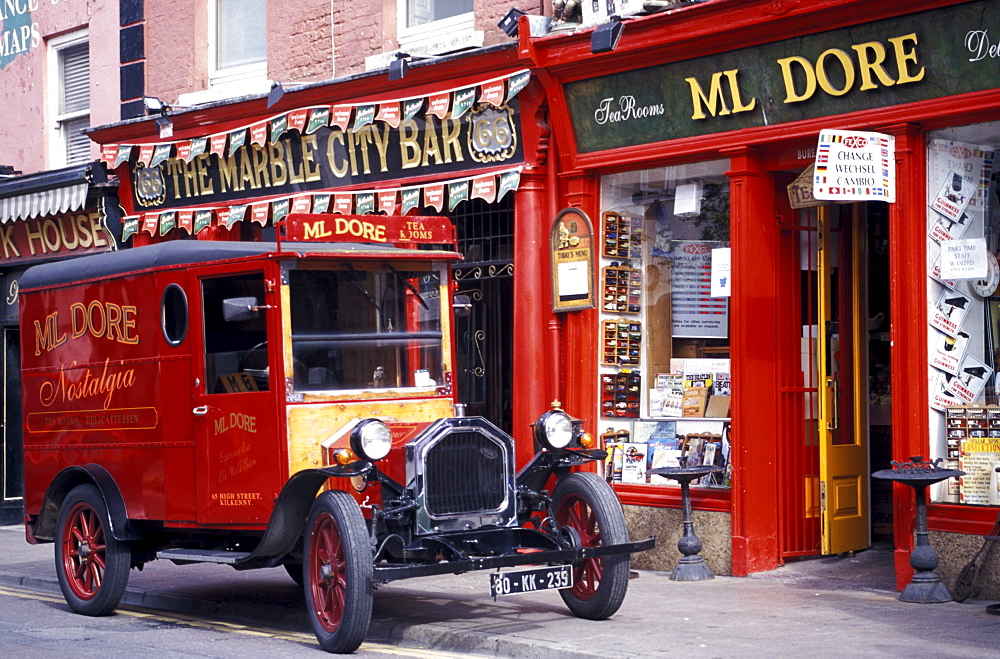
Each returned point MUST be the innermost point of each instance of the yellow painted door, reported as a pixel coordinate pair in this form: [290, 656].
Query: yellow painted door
[843, 378]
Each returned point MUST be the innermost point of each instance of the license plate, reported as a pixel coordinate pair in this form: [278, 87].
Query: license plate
[527, 581]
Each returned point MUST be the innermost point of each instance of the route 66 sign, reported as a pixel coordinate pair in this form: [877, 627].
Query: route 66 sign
[491, 134]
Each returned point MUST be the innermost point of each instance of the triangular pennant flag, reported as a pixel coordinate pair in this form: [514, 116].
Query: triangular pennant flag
[145, 154]
[364, 115]
[341, 116]
[109, 153]
[410, 200]
[492, 93]
[198, 146]
[130, 226]
[343, 203]
[485, 188]
[411, 107]
[517, 82]
[167, 222]
[222, 216]
[150, 223]
[259, 212]
[365, 203]
[218, 144]
[184, 150]
[457, 193]
[464, 99]
[280, 209]
[237, 138]
[302, 204]
[278, 127]
[185, 219]
[321, 203]
[258, 133]
[508, 181]
[439, 104]
[434, 196]
[124, 153]
[202, 219]
[387, 201]
[236, 214]
[318, 117]
[160, 153]
[297, 119]
[389, 113]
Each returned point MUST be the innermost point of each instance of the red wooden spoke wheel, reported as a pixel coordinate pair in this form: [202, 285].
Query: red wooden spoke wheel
[338, 572]
[587, 505]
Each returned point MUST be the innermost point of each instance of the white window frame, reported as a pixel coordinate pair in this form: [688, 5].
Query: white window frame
[231, 81]
[445, 29]
[58, 142]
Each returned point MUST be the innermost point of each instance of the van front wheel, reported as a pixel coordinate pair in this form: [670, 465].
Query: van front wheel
[338, 572]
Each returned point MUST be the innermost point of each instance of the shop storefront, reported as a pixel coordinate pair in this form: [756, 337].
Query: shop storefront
[49, 216]
[454, 136]
[800, 345]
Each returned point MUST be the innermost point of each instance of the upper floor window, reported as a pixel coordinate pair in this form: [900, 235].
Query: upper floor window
[239, 31]
[441, 25]
[69, 61]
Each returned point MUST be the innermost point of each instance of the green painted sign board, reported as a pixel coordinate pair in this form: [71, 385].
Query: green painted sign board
[926, 55]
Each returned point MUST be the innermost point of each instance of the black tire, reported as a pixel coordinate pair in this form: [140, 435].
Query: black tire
[586, 503]
[92, 566]
[338, 572]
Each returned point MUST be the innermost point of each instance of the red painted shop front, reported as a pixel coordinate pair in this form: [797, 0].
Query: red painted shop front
[441, 141]
[741, 322]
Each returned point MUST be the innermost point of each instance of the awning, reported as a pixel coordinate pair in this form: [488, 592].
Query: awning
[46, 193]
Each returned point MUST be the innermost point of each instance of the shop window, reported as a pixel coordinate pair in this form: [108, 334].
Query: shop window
[70, 63]
[664, 324]
[963, 239]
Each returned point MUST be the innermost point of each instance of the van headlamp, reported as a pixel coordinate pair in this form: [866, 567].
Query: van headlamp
[554, 429]
[371, 440]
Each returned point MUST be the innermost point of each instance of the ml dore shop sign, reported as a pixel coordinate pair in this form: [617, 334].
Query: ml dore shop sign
[333, 157]
[932, 54]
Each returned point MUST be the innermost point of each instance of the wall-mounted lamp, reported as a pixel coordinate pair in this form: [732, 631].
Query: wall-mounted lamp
[605, 37]
[277, 91]
[509, 21]
[154, 105]
[165, 127]
[399, 66]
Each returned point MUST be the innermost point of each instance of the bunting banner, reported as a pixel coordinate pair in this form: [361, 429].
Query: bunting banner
[457, 193]
[160, 153]
[237, 138]
[363, 115]
[259, 212]
[279, 209]
[341, 116]
[278, 127]
[321, 203]
[434, 196]
[464, 100]
[485, 188]
[318, 117]
[236, 214]
[388, 113]
[364, 202]
[258, 133]
[150, 223]
[202, 220]
[218, 144]
[184, 151]
[130, 226]
[410, 200]
[302, 204]
[185, 221]
[387, 201]
[168, 221]
[297, 119]
[412, 107]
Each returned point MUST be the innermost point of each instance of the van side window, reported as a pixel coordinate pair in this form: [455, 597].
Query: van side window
[236, 345]
[174, 314]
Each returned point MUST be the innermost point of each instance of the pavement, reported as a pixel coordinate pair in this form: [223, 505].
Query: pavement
[824, 607]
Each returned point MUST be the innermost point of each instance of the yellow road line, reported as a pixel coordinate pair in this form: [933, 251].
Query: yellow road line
[236, 628]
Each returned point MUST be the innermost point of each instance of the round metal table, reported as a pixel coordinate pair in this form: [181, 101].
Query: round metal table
[691, 567]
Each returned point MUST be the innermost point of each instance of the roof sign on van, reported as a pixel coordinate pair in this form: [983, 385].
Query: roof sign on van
[384, 229]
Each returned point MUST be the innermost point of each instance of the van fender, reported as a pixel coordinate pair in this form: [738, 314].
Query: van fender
[288, 519]
[44, 529]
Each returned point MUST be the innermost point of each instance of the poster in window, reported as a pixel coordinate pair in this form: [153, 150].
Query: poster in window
[696, 314]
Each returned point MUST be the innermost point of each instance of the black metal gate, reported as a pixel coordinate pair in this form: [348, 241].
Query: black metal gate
[485, 336]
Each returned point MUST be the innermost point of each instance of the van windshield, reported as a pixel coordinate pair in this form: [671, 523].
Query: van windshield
[366, 326]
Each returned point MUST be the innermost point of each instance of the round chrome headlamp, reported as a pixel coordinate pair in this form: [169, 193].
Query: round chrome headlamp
[554, 429]
[371, 440]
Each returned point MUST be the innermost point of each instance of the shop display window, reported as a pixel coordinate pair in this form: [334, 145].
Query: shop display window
[664, 327]
[963, 317]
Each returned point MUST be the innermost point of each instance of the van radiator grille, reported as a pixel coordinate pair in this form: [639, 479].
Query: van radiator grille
[464, 473]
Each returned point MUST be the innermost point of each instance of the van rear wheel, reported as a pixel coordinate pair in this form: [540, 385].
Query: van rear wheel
[338, 572]
[92, 566]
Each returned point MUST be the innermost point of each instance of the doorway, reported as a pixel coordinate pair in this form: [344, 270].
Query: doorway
[834, 428]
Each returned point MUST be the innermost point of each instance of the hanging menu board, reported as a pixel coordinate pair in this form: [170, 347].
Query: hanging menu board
[696, 314]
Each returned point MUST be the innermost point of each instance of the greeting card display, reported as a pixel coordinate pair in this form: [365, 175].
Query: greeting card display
[622, 236]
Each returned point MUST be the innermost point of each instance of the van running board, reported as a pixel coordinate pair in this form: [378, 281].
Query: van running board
[182, 555]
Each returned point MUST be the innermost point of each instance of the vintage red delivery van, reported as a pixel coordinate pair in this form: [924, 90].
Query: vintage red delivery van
[291, 403]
